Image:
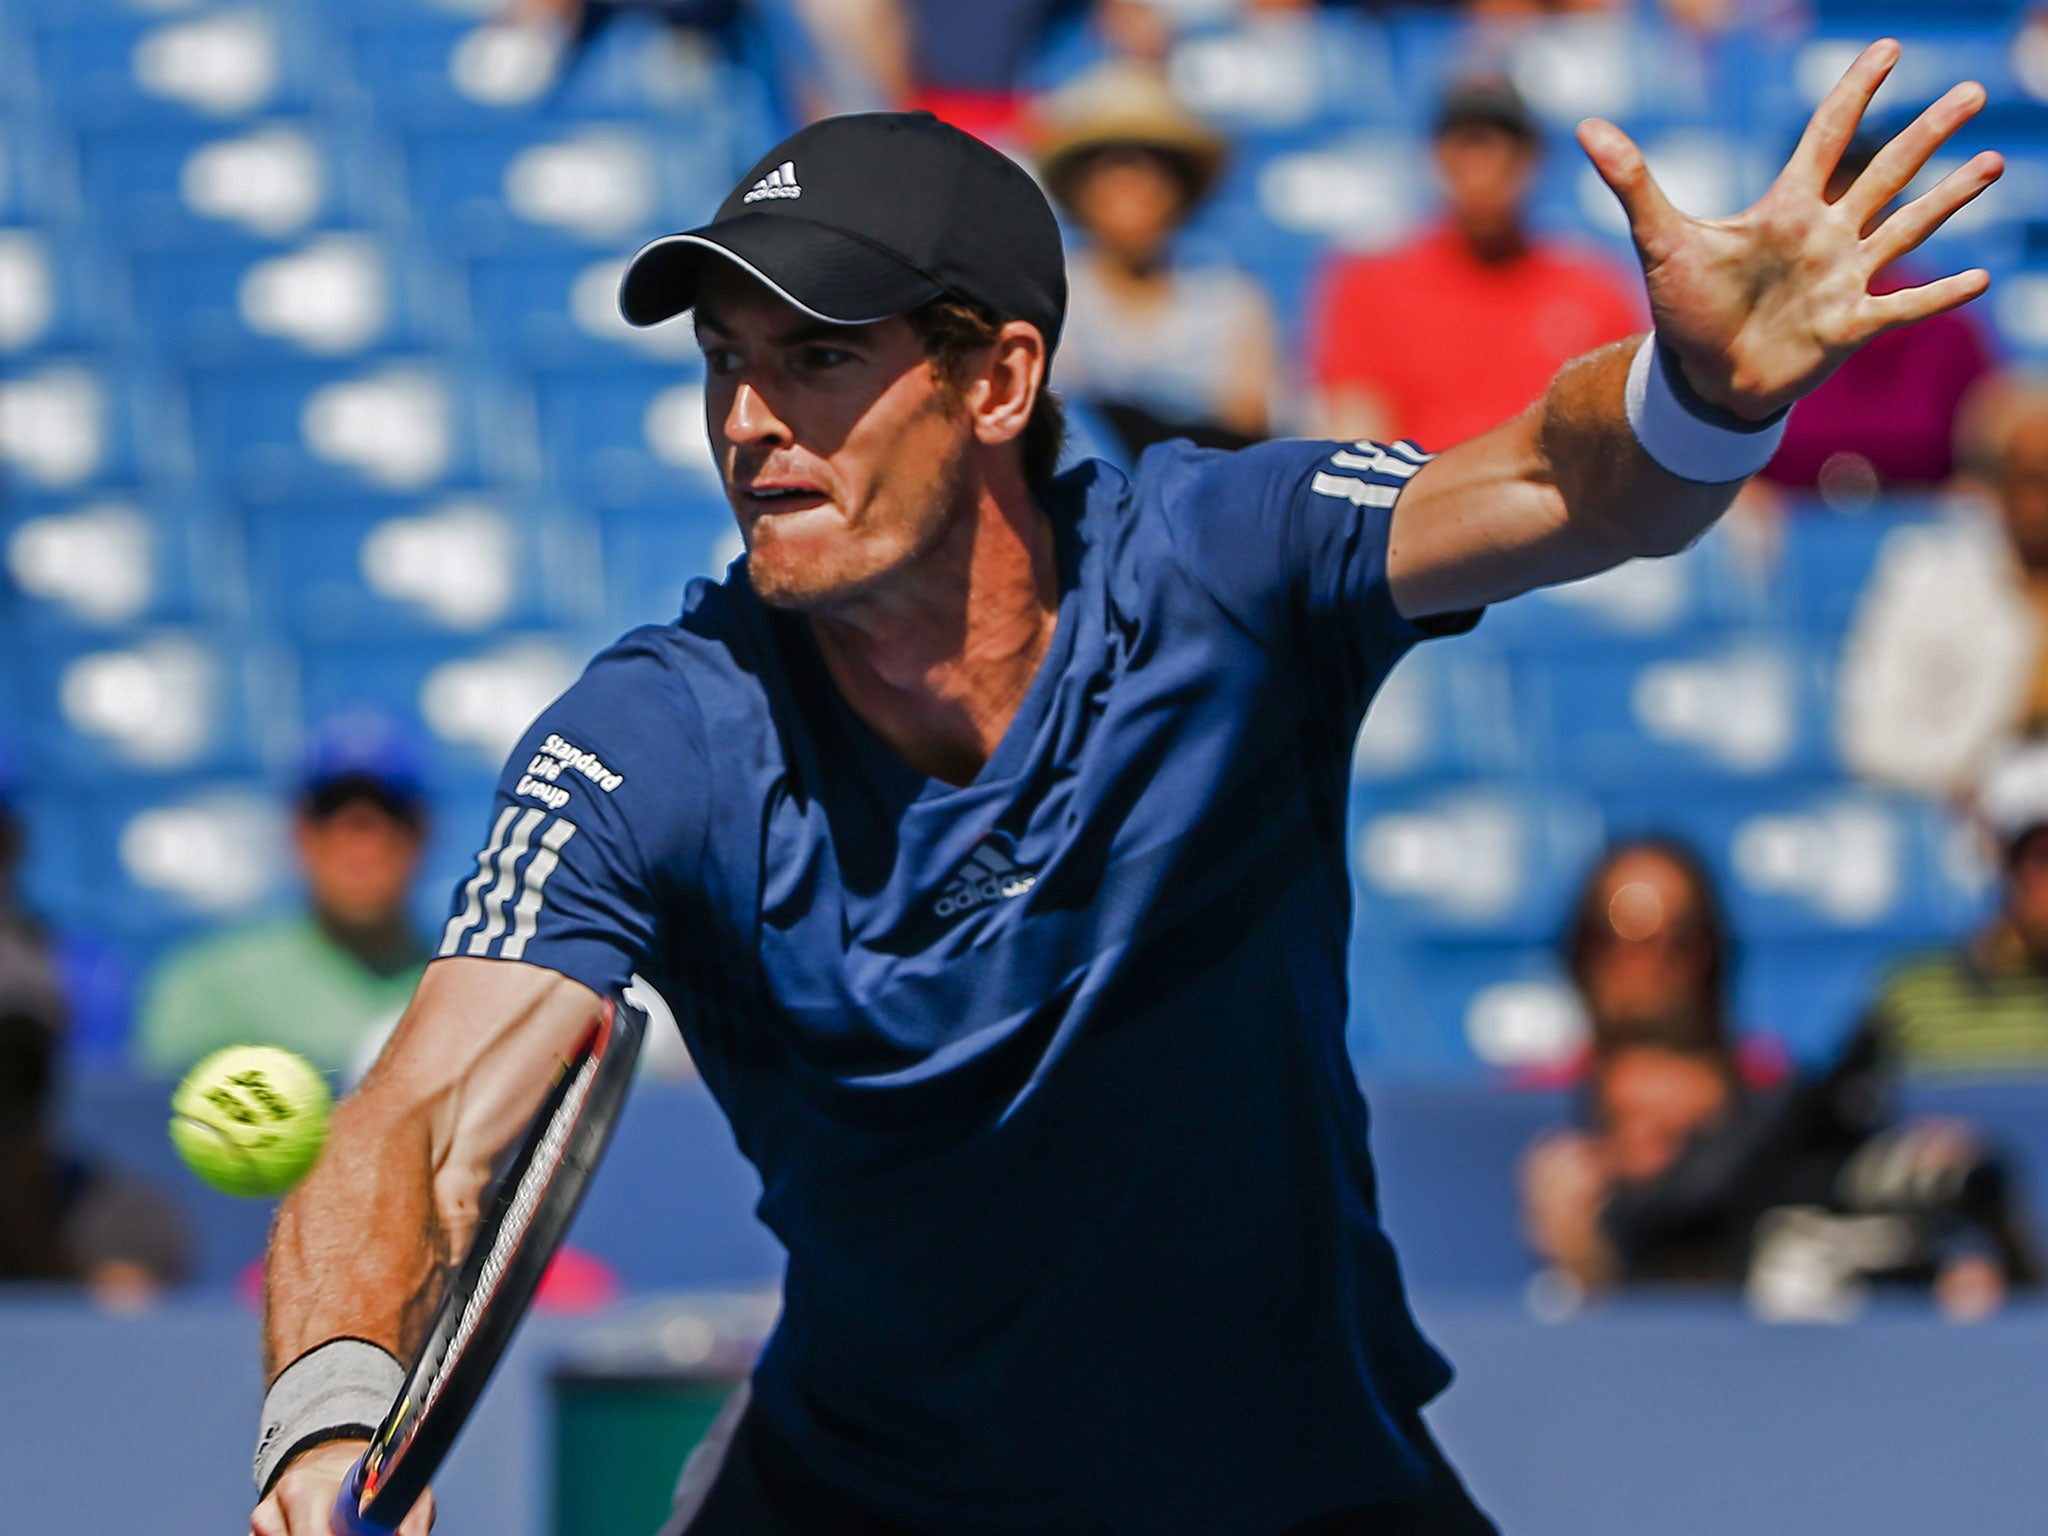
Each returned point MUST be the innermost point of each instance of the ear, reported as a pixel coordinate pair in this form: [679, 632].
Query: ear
[1001, 397]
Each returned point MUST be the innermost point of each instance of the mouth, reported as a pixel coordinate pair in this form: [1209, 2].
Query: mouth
[773, 496]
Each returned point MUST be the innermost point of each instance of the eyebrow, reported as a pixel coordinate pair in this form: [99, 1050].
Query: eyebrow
[796, 335]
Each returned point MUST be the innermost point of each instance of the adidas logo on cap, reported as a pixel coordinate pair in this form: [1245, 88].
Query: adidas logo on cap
[780, 182]
[988, 875]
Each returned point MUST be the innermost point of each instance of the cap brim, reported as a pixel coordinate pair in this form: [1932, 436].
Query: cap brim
[828, 275]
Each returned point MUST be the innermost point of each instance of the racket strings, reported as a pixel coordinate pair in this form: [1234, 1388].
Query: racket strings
[518, 1217]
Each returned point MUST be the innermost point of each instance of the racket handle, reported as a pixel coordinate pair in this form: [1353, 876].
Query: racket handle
[347, 1519]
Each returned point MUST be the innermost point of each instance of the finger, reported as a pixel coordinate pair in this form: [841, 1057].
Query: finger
[1834, 121]
[1895, 166]
[421, 1519]
[1909, 226]
[1651, 219]
[1887, 312]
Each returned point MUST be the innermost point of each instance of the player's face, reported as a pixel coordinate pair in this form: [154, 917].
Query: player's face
[842, 452]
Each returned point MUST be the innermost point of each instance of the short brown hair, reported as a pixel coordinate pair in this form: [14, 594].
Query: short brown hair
[949, 329]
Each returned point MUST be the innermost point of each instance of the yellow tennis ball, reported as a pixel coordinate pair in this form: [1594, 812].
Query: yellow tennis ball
[250, 1119]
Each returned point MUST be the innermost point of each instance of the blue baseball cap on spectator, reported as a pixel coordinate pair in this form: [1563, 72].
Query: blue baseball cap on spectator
[363, 754]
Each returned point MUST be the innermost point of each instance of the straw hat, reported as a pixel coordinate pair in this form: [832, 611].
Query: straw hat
[1122, 105]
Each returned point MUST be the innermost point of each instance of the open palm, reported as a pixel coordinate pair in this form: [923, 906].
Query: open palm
[1761, 307]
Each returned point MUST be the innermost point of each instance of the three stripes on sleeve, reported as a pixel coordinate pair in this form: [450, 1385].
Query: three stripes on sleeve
[501, 902]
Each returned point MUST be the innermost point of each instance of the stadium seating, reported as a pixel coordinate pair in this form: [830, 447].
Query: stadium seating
[306, 303]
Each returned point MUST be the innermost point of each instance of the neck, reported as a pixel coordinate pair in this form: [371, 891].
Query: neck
[938, 663]
[1493, 247]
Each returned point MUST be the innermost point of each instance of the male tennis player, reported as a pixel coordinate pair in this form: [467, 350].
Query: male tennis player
[986, 829]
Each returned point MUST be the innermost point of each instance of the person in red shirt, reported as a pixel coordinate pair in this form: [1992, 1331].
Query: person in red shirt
[1457, 330]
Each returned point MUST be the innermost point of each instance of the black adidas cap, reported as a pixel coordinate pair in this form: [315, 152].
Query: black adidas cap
[858, 218]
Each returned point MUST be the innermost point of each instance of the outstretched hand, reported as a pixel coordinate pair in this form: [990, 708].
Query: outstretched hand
[1763, 306]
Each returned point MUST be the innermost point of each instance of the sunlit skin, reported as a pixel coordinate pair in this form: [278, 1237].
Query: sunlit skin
[1486, 172]
[1650, 965]
[359, 863]
[890, 508]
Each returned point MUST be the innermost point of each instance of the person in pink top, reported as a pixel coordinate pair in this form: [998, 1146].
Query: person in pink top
[1457, 330]
[1886, 418]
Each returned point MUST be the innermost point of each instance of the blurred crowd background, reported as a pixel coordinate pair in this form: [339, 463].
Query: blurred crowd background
[325, 461]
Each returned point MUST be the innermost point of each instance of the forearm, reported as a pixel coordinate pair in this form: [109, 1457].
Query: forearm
[1564, 490]
[358, 1249]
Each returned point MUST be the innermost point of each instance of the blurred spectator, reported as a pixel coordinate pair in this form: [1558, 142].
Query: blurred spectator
[1945, 659]
[1461, 328]
[825, 56]
[1983, 1007]
[1159, 347]
[1687, 1170]
[324, 982]
[1886, 420]
[967, 61]
[1648, 953]
[62, 1217]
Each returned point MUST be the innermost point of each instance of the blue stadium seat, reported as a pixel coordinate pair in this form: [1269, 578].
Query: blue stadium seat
[337, 294]
[56, 293]
[1734, 708]
[1823, 861]
[155, 701]
[463, 564]
[36, 170]
[1446, 712]
[398, 424]
[1629, 68]
[468, 700]
[1828, 559]
[213, 62]
[621, 435]
[146, 864]
[74, 421]
[425, 67]
[1644, 602]
[652, 552]
[1268, 74]
[119, 559]
[1449, 1009]
[598, 185]
[1482, 860]
[273, 179]
[556, 308]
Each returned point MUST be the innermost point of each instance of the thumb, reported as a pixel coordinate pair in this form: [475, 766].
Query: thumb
[1651, 218]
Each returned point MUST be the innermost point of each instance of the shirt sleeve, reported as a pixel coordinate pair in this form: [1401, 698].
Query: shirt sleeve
[1291, 538]
[598, 816]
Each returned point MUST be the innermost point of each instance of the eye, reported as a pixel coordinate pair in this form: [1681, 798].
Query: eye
[720, 360]
[819, 357]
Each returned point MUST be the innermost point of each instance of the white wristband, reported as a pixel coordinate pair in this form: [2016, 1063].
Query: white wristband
[1692, 439]
[336, 1391]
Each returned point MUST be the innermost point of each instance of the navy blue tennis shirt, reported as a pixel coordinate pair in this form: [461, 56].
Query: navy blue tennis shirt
[1044, 1074]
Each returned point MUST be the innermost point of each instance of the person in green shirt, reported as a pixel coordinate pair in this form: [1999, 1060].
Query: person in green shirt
[329, 982]
[1983, 1006]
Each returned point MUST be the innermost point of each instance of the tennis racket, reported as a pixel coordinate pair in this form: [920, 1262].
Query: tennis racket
[523, 1222]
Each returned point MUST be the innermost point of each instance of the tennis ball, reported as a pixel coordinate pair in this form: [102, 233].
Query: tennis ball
[250, 1119]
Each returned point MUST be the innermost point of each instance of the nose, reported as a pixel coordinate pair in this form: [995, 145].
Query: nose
[750, 419]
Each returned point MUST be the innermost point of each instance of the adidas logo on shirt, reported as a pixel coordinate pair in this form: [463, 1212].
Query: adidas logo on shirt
[988, 875]
[780, 182]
